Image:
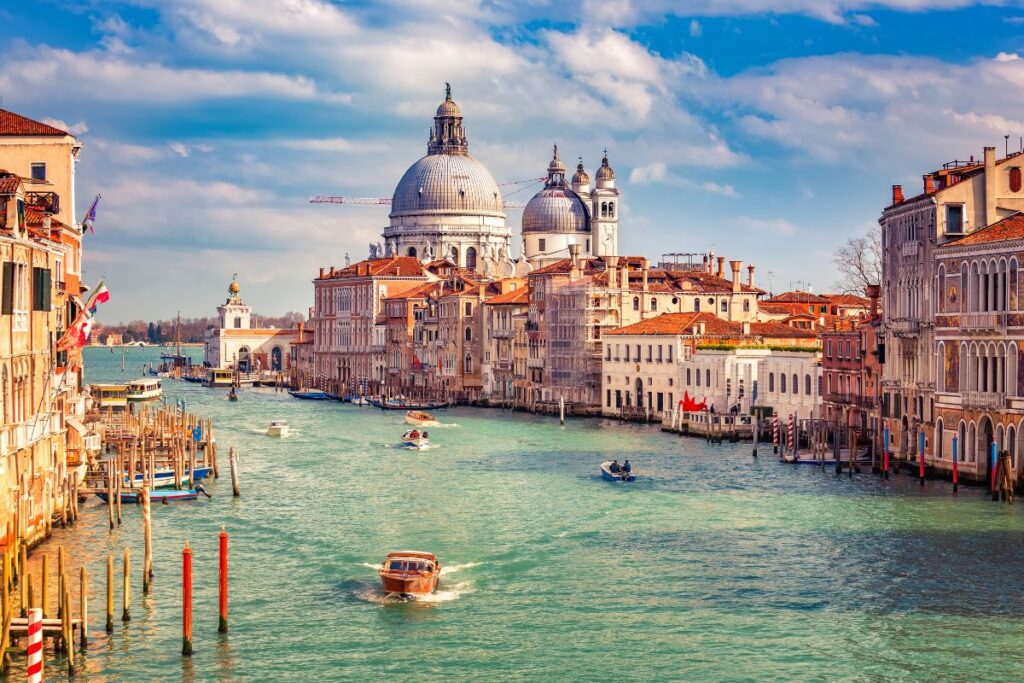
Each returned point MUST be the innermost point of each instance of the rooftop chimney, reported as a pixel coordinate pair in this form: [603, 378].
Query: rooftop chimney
[897, 194]
[302, 330]
[735, 265]
[721, 266]
[990, 186]
[322, 273]
[745, 327]
[929, 184]
[750, 275]
[644, 265]
[873, 292]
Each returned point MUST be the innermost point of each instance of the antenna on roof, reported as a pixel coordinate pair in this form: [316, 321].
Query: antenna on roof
[1006, 140]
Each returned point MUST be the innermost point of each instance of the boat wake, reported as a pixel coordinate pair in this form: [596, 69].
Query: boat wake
[452, 568]
[445, 594]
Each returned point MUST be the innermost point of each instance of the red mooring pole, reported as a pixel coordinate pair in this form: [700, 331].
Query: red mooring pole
[186, 601]
[223, 628]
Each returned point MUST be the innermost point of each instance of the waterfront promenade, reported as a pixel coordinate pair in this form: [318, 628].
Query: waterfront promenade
[713, 567]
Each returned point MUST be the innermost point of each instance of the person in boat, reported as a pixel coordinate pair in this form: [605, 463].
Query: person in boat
[425, 435]
[414, 434]
[615, 467]
[626, 467]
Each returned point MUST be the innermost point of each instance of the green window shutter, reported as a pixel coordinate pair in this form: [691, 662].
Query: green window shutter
[37, 289]
[47, 282]
[7, 290]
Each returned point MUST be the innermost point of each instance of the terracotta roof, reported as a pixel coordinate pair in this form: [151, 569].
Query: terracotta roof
[422, 291]
[778, 329]
[395, 266]
[680, 323]
[847, 300]
[797, 298]
[34, 218]
[564, 266]
[776, 309]
[516, 296]
[1009, 228]
[16, 124]
[9, 184]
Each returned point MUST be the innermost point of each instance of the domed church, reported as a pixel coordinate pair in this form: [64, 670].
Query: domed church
[447, 204]
[560, 215]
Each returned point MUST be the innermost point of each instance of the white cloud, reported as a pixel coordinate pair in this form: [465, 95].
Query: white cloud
[778, 226]
[179, 149]
[652, 173]
[75, 128]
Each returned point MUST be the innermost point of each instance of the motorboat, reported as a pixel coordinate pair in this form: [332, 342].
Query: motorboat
[311, 395]
[232, 394]
[419, 418]
[608, 475]
[277, 428]
[158, 496]
[109, 396]
[145, 389]
[408, 573]
[415, 439]
[164, 477]
[404, 404]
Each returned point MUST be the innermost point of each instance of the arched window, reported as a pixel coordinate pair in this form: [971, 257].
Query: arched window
[960, 452]
[636, 303]
[771, 382]
[807, 384]
[469, 334]
[611, 209]
[654, 304]
[698, 376]
[796, 384]
[782, 382]
[939, 445]
[970, 446]
[604, 209]
[687, 376]
[411, 251]
[455, 256]
[471, 257]
[707, 377]
[468, 367]
[696, 305]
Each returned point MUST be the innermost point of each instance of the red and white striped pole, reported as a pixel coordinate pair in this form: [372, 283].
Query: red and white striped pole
[775, 432]
[791, 442]
[35, 645]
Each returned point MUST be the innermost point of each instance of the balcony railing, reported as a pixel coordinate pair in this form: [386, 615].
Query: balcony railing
[502, 333]
[45, 201]
[839, 398]
[905, 326]
[983, 321]
[983, 399]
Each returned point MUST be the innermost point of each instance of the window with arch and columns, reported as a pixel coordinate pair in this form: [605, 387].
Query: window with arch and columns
[987, 285]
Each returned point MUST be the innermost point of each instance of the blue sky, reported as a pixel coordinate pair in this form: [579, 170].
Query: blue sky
[770, 130]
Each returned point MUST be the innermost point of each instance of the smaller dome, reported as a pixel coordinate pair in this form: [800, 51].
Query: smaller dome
[234, 288]
[556, 166]
[605, 172]
[556, 210]
[448, 107]
[580, 177]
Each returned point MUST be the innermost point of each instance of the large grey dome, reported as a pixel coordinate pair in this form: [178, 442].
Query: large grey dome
[556, 209]
[447, 184]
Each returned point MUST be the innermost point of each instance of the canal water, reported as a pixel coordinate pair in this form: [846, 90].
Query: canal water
[712, 566]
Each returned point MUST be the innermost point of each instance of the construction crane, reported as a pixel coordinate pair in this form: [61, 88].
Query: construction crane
[386, 201]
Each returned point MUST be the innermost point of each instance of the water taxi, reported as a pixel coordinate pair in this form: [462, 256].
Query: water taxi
[415, 439]
[407, 573]
[277, 428]
[145, 389]
[109, 396]
[608, 475]
[418, 418]
[219, 377]
[164, 477]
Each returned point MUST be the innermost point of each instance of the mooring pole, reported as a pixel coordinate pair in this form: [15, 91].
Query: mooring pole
[223, 628]
[186, 601]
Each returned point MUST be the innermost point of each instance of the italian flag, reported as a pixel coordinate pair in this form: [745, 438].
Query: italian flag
[100, 296]
[84, 330]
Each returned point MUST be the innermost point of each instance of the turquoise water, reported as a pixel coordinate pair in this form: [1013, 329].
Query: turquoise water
[713, 566]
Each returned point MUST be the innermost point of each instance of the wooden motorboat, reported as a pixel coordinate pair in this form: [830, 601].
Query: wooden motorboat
[608, 475]
[403, 404]
[408, 573]
[164, 477]
[277, 428]
[419, 418]
[415, 439]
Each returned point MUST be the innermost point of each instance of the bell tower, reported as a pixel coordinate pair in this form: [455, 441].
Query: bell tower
[604, 211]
[233, 313]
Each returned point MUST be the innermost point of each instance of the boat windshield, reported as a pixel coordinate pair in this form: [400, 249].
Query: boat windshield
[397, 564]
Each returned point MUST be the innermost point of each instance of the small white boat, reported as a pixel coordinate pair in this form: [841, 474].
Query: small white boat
[418, 418]
[145, 389]
[277, 428]
[415, 439]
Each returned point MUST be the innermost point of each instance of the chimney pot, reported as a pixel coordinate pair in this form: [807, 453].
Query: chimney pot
[929, 184]
[721, 266]
[750, 275]
[322, 272]
[897, 194]
[736, 266]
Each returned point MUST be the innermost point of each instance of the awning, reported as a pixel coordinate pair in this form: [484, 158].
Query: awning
[77, 426]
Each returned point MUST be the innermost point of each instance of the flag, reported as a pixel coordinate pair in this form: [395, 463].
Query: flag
[90, 215]
[84, 330]
[100, 295]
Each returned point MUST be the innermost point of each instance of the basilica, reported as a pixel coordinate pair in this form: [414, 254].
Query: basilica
[448, 206]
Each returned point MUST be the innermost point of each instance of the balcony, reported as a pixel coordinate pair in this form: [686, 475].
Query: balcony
[910, 248]
[846, 399]
[44, 201]
[905, 326]
[983, 399]
[502, 334]
[990, 322]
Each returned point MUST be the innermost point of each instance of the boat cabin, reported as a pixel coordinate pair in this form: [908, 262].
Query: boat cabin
[145, 389]
[109, 396]
[217, 377]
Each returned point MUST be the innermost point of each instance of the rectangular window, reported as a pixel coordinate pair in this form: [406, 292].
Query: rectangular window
[40, 289]
[542, 245]
[7, 289]
[828, 349]
[38, 170]
[955, 219]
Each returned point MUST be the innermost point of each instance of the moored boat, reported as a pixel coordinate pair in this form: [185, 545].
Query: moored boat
[419, 418]
[311, 395]
[608, 475]
[277, 428]
[408, 573]
[404, 404]
[164, 477]
[157, 496]
[415, 439]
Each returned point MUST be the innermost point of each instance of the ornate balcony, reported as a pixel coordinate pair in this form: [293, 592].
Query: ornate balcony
[905, 326]
[990, 322]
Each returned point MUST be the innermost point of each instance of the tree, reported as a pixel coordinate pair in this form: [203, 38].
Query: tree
[859, 262]
[151, 332]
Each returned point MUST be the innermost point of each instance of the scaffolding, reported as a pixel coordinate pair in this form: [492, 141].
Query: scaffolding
[575, 313]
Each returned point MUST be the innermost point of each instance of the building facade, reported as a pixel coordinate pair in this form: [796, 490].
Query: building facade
[235, 343]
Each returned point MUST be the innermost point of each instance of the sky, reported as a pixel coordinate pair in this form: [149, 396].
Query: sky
[770, 131]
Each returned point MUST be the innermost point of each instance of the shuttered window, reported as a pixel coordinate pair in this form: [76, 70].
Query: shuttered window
[41, 289]
[7, 289]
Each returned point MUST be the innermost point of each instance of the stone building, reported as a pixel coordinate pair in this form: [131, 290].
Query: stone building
[235, 343]
[852, 372]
